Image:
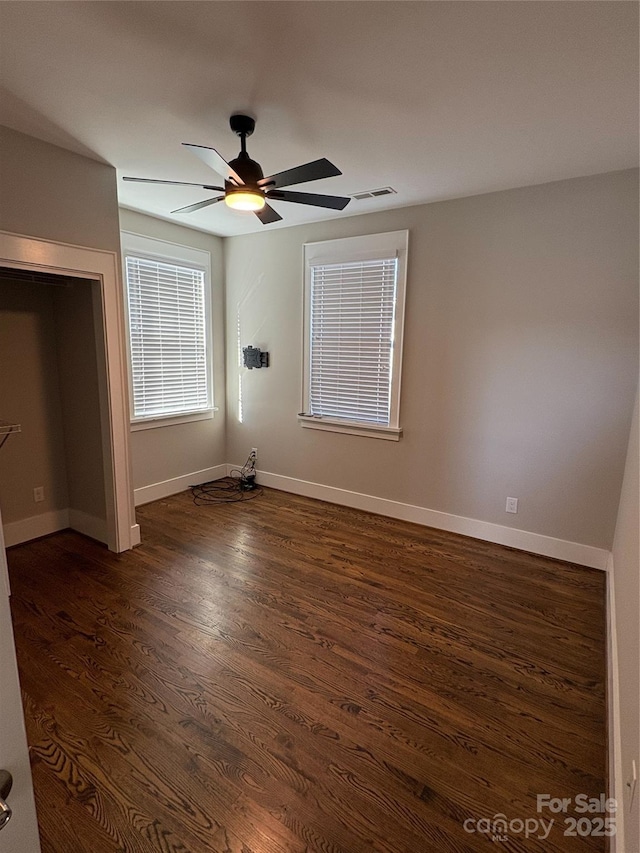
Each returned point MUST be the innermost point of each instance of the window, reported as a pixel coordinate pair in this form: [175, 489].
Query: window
[168, 307]
[354, 313]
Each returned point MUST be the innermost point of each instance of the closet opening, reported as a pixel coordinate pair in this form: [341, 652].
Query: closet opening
[64, 459]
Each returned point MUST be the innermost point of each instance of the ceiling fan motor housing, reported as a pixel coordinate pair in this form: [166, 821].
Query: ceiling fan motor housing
[248, 169]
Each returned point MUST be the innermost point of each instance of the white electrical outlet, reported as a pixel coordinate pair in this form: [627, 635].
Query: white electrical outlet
[38, 494]
[631, 783]
[512, 505]
[254, 452]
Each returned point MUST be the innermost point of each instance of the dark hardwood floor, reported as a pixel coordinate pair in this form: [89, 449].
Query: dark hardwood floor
[288, 676]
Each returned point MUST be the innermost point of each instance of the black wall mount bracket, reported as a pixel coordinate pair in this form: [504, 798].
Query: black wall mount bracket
[254, 357]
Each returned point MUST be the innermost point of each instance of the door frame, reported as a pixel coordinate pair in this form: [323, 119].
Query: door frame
[102, 267]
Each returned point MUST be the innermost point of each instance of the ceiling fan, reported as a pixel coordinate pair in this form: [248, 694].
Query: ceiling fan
[246, 188]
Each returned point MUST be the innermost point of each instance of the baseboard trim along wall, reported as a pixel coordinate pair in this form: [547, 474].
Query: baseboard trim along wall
[614, 734]
[16, 532]
[537, 543]
[164, 489]
[91, 526]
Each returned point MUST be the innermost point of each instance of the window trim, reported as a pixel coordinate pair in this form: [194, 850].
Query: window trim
[164, 251]
[367, 247]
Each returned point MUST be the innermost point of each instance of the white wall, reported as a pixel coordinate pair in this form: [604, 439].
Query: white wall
[30, 395]
[78, 373]
[520, 359]
[626, 584]
[164, 453]
[49, 384]
[54, 194]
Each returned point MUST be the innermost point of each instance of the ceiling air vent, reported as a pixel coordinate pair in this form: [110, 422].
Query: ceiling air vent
[374, 193]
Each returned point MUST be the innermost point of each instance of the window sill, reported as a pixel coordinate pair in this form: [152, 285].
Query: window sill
[172, 420]
[350, 427]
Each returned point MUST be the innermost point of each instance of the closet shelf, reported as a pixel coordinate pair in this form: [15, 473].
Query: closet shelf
[7, 427]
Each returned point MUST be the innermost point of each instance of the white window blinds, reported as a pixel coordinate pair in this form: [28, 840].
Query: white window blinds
[352, 310]
[168, 338]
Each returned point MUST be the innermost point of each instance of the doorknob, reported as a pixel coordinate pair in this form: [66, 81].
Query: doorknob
[6, 783]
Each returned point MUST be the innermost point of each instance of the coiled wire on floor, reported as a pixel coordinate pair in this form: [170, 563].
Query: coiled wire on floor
[239, 486]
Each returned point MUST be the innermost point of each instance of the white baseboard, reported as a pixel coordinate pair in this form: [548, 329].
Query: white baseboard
[91, 526]
[135, 535]
[537, 543]
[16, 532]
[155, 491]
[616, 780]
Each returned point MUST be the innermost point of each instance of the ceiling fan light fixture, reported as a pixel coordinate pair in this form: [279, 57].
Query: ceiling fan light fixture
[245, 199]
[245, 186]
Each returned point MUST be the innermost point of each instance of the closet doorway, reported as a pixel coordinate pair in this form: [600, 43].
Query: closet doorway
[71, 308]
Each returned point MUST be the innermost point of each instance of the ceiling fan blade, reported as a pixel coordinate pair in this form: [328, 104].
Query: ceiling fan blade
[174, 183]
[267, 215]
[335, 202]
[301, 174]
[215, 161]
[198, 205]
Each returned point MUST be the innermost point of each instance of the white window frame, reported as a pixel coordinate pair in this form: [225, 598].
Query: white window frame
[392, 244]
[163, 251]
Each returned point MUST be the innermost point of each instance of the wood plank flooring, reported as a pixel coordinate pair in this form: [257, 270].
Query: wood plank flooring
[288, 676]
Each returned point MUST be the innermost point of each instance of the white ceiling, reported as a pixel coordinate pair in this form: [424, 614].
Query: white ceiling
[436, 99]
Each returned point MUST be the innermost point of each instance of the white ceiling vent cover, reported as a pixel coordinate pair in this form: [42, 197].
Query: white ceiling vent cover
[374, 193]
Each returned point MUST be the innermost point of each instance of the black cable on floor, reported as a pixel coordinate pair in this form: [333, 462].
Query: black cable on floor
[227, 490]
